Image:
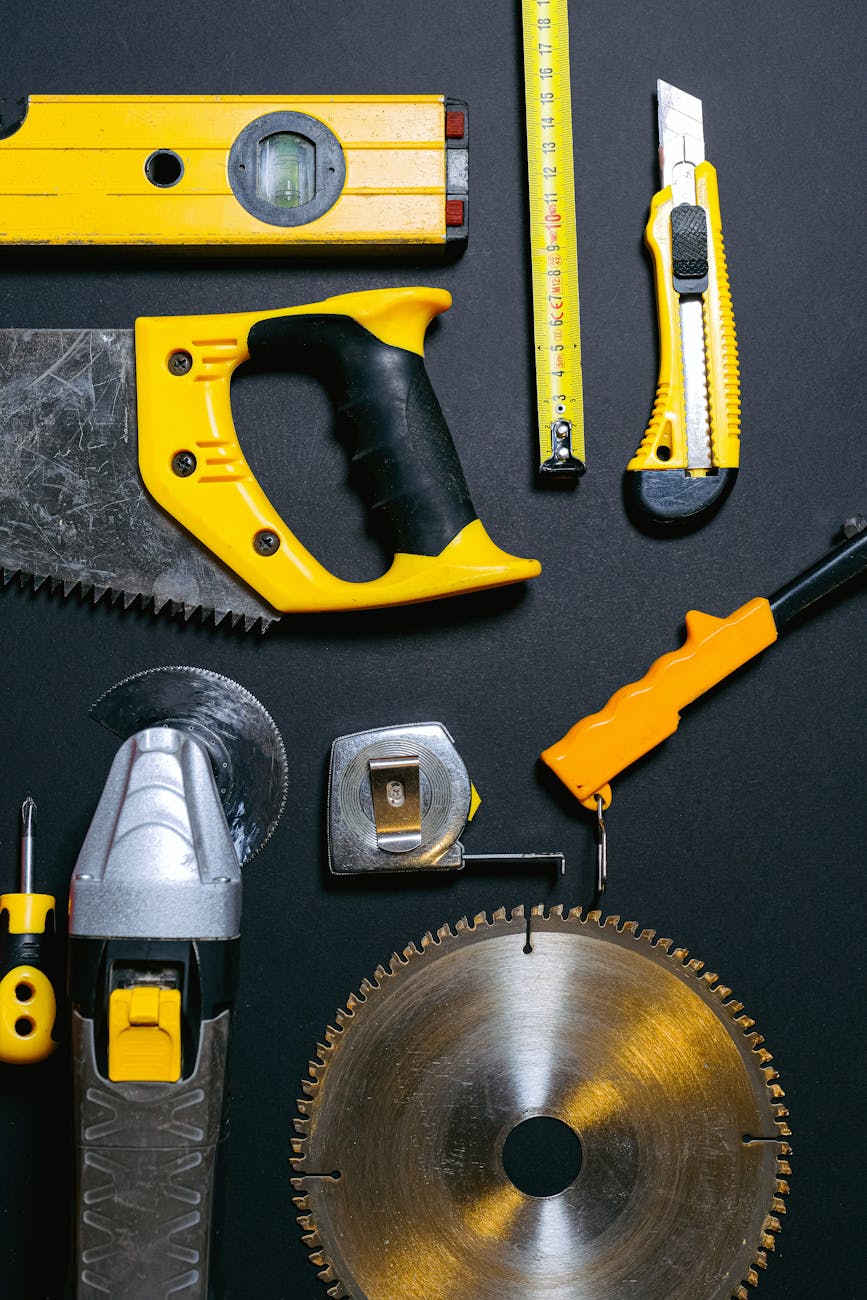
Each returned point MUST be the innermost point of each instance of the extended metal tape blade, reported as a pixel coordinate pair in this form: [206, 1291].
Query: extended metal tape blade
[72, 505]
[650, 1067]
[246, 749]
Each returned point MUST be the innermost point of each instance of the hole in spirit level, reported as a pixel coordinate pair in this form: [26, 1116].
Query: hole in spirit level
[164, 168]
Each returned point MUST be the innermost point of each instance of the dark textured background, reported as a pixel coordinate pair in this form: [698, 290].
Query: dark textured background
[744, 836]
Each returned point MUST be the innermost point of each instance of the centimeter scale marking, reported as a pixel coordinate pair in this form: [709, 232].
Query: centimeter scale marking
[553, 239]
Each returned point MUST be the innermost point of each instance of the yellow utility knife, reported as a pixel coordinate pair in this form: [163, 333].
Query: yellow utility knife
[688, 459]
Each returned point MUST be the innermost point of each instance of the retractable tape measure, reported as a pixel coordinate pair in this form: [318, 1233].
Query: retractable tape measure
[553, 239]
[234, 172]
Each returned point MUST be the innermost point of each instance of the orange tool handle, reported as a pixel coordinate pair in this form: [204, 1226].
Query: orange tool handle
[643, 714]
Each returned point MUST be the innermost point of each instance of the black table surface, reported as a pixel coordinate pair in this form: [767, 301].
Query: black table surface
[742, 837]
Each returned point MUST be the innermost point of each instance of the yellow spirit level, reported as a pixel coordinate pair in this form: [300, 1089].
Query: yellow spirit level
[234, 172]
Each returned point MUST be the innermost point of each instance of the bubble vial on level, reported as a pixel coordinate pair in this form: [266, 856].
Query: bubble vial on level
[286, 170]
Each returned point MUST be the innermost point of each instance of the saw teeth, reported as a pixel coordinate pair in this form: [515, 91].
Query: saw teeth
[92, 593]
[499, 918]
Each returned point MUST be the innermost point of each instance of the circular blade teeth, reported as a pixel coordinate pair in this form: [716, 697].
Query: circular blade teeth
[247, 752]
[405, 976]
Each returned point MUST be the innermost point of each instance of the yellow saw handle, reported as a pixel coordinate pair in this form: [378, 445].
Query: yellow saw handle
[368, 348]
[643, 714]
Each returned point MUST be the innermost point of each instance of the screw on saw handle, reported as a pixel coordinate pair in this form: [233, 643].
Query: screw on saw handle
[662, 492]
[370, 348]
[643, 714]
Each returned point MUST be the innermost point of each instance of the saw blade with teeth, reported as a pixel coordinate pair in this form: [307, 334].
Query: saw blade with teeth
[74, 513]
[245, 747]
[647, 1060]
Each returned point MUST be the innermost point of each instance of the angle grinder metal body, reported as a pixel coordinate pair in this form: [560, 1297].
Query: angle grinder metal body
[155, 913]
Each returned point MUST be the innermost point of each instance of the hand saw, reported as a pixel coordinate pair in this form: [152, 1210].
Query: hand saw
[117, 451]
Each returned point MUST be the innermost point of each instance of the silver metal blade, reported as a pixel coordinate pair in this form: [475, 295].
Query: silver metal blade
[698, 446]
[681, 140]
[418, 1088]
[246, 749]
[72, 505]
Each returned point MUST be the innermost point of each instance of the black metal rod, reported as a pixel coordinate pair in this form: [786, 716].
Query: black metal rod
[845, 562]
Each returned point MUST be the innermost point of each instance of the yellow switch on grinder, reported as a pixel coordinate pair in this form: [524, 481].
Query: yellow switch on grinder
[234, 172]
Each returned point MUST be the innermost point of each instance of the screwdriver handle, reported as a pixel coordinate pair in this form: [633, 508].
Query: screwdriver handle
[28, 1006]
[643, 714]
[657, 483]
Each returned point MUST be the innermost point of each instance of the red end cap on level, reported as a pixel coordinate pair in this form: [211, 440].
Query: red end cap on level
[455, 126]
[454, 212]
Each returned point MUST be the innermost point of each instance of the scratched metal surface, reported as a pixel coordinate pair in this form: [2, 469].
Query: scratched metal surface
[72, 505]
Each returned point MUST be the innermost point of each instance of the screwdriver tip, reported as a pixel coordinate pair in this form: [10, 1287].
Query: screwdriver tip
[28, 818]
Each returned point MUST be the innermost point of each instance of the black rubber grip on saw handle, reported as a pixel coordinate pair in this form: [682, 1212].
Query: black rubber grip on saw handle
[405, 466]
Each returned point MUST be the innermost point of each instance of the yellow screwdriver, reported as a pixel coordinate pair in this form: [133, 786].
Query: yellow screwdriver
[28, 1007]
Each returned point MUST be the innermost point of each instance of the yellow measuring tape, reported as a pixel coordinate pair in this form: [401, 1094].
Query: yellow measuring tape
[553, 239]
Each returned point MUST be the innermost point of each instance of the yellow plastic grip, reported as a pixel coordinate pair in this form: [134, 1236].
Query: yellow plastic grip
[667, 427]
[640, 716]
[28, 1009]
[28, 913]
[187, 407]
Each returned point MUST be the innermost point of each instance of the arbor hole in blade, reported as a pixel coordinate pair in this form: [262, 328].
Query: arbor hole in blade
[542, 1156]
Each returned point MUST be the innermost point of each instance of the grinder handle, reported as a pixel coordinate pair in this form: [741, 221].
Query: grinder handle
[147, 1163]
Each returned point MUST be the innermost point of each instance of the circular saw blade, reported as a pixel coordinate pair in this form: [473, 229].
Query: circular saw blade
[654, 1067]
[246, 749]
